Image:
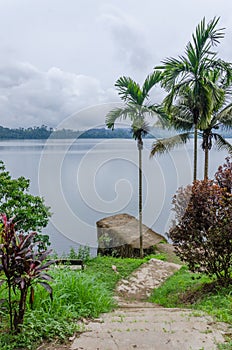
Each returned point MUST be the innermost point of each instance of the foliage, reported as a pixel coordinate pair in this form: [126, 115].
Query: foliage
[83, 253]
[224, 175]
[76, 294]
[182, 117]
[36, 132]
[15, 201]
[22, 267]
[195, 82]
[202, 234]
[43, 241]
[136, 108]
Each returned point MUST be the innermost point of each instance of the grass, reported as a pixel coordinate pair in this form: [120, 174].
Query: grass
[77, 294]
[88, 293]
[185, 289]
[198, 292]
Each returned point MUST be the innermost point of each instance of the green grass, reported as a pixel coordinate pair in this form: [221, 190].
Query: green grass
[198, 292]
[89, 293]
[76, 293]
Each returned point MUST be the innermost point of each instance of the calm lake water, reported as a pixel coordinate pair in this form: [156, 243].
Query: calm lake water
[85, 180]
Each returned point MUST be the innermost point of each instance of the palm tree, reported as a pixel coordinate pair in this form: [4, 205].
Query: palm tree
[222, 119]
[192, 71]
[136, 108]
[182, 118]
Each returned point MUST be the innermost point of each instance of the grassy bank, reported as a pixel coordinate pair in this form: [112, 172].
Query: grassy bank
[198, 292]
[86, 294]
[77, 294]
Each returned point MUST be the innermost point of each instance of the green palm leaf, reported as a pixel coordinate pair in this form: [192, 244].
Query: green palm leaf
[129, 90]
[150, 81]
[222, 144]
[225, 116]
[165, 145]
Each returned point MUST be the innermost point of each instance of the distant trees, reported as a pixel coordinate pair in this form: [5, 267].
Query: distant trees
[45, 132]
[36, 132]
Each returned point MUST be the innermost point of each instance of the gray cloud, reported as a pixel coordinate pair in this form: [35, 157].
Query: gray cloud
[30, 97]
[129, 41]
[58, 57]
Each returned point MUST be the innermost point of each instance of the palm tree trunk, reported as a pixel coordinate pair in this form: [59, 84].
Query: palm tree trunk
[140, 147]
[195, 154]
[206, 169]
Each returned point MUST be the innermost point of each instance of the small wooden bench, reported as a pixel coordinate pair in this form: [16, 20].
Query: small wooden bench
[71, 262]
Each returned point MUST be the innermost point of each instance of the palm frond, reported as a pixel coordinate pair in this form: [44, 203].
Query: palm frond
[225, 116]
[214, 34]
[150, 81]
[182, 119]
[129, 90]
[174, 70]
[160, 112]
[118, 114]
[140, 128]
[203, 103]
[204, 38]
[131, 111]
[222, 144]
[165, 145]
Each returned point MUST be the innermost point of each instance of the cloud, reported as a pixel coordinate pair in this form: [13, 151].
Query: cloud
[129, 39]
[29, 96]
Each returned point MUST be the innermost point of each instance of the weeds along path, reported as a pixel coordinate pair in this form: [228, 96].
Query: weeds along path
[138, 324]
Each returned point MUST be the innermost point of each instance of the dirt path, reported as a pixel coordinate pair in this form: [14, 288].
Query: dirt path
[137, 324]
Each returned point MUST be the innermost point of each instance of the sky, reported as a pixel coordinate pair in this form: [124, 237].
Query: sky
[61, 58]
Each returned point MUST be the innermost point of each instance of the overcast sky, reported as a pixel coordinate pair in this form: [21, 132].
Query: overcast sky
[61, 56]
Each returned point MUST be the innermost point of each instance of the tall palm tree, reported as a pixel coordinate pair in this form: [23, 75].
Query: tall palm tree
[182, 118]
[222, 119]
[193, 71]
[136, 108]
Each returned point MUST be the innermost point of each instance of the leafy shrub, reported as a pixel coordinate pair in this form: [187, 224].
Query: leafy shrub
[202, 233]
[16, 201]
[83, 253]
[22, 266]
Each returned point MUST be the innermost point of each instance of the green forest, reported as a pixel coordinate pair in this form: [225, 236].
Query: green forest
[45, 132]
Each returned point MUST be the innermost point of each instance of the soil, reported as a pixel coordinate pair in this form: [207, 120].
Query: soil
[138, 324]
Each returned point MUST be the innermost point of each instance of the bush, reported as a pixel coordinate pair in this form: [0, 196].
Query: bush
[21, 267]
[202, 234]
[16, 201]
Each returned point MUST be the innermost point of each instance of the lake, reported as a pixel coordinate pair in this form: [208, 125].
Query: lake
[84, 180]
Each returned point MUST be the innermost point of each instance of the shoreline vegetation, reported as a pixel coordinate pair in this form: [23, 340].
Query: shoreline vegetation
[44, 132]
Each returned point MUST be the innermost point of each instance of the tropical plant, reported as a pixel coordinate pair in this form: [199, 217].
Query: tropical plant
[223, 175]
[182, 118]
[193, 72]
[22, 267]
[16, 201]
[136, 108]
[202, 233]
[222, 119]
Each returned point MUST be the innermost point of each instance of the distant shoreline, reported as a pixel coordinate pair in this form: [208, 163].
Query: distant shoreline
[44, 133]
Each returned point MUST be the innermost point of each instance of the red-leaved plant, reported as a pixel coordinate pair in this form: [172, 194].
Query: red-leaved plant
[202, 234]
[21, 266]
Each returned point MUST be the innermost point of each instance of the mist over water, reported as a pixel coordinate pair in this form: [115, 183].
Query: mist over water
[85, 180]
